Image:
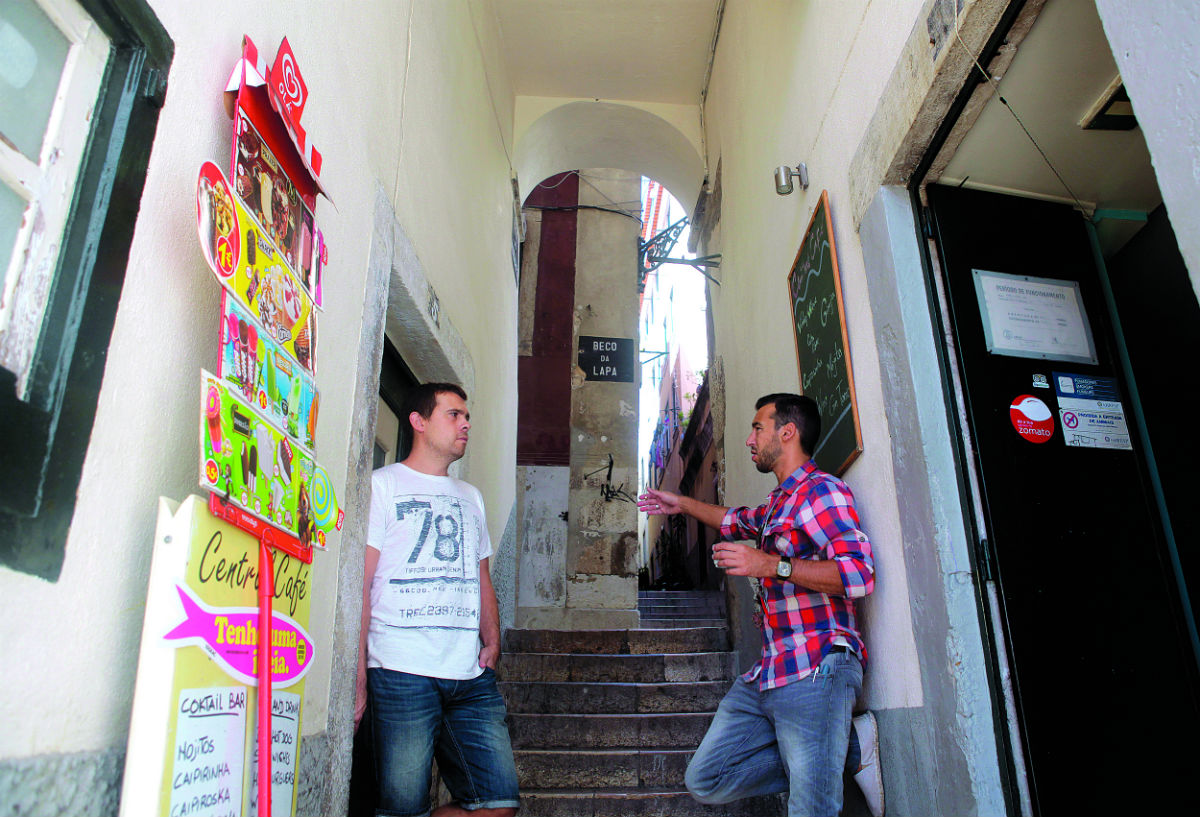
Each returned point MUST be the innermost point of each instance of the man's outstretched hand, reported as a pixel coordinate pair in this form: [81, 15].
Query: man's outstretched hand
[659, 503]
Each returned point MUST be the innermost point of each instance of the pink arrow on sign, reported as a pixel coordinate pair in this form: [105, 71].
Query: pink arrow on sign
[230, 635]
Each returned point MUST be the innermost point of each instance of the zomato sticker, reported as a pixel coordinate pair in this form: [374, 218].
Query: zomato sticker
[1031, 418]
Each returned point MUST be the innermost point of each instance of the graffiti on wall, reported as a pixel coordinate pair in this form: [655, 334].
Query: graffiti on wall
[608, 490]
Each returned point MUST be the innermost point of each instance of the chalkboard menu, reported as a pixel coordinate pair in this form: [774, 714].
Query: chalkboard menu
[822, 347]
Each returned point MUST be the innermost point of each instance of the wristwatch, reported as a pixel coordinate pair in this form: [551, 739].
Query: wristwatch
[784, 569]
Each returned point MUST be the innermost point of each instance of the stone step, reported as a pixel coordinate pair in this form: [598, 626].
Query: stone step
[598, 769]
[652, 669]
[604, 722]
[676, 615]
[585, 698]
[682, 612]
[703, 601]
[681, 602]
[618, 642]
[676, 623]
[538, 731]
[665, 802]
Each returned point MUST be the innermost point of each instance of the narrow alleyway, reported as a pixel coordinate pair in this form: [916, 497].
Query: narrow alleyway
[604, 722]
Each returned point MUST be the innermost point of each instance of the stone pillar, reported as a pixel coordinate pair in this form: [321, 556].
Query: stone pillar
[581, 573]
[602, 539]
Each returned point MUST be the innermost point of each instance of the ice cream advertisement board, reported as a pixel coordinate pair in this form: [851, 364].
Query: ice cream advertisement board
[250, 268]
[207, 650]
[258, 367]
[253, 465]
[192, 686]
[268, 193]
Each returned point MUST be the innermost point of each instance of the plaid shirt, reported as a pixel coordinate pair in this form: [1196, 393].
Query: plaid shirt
[810, 515]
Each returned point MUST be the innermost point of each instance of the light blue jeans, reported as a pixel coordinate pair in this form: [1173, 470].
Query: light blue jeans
[789, 739]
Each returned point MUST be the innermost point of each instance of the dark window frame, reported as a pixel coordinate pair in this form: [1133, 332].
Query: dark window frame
[395, 380]
[44, 441]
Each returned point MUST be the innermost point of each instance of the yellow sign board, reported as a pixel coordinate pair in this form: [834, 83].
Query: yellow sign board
[191, 747]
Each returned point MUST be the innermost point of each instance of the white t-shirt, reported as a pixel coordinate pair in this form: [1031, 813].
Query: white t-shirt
[431, 533]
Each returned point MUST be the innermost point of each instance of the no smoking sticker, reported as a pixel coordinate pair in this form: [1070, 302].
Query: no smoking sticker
[1031, 418]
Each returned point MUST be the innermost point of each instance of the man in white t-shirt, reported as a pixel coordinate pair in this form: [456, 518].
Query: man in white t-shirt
[431, 627]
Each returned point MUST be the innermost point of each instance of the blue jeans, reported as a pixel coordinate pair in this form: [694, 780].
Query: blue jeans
[463, 722]
[789, 739]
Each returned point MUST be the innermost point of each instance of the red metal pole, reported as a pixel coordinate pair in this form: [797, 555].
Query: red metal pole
[266, 596]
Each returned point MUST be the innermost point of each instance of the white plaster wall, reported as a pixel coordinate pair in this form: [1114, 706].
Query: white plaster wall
[399, 98]
[454, 198]
[806, 95]
[1156, 46]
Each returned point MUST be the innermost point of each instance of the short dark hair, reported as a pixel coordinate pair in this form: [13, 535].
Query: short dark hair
[800, 411]
[423, 398]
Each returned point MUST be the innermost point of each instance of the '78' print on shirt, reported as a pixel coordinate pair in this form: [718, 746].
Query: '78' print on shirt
[435, 584]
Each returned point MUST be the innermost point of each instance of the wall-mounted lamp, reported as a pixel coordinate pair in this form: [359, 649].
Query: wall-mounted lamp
[785, 174]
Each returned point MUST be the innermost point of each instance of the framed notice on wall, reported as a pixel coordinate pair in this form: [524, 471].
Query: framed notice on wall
[1039, 318]
[822, 346]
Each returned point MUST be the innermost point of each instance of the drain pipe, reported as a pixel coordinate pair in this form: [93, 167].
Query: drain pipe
[708, 67]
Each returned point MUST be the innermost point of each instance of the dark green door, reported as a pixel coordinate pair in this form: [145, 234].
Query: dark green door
[1103, 668]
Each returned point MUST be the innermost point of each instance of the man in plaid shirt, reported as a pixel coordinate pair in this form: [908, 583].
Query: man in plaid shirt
[786, 725]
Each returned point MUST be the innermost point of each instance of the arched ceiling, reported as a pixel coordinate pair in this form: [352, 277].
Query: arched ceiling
[585, 134]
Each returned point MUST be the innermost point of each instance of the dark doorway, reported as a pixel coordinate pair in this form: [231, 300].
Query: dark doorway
[395, 379]
[1103, 670]
[1161, 321]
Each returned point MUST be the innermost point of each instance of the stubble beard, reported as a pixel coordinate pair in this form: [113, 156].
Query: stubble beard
[452, 452]
[765, 458]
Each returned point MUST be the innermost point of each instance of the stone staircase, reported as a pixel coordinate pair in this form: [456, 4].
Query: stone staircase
[603, 722]
[667, 609]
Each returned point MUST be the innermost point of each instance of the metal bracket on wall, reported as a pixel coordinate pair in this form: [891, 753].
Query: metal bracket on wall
[698, 263]
[659, 244]
[656, 251]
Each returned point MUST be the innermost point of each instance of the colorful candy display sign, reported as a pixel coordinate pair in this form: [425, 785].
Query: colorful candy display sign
[247, 264]
[266, 376]
[254, 465]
